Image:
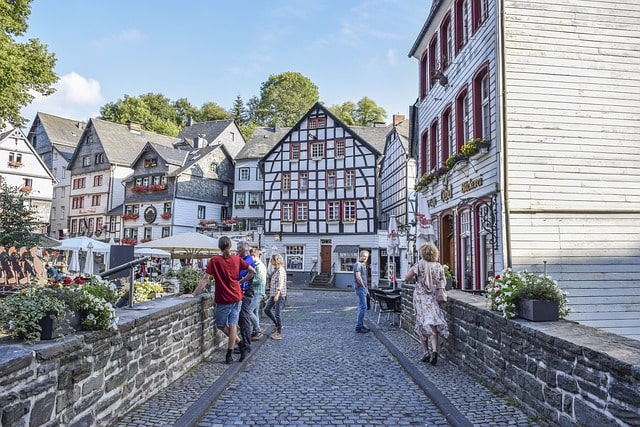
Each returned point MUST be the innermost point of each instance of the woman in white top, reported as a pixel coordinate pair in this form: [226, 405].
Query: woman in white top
[277, 294]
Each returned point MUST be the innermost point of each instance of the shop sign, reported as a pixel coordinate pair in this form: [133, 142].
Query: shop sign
[471, 185]
[446, 193]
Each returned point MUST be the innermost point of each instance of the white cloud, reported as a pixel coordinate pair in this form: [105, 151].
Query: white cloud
[76, 97]
[392, 56]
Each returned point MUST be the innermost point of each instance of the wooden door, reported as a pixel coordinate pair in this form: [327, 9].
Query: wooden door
[325, 259]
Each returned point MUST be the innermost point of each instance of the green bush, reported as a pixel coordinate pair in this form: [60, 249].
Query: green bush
[189, 278]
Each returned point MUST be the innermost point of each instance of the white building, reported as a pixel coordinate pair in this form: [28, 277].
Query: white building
[553, 89]
[21, 166]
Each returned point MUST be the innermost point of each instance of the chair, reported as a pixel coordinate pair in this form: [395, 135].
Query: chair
[375, 294]
[390, 304]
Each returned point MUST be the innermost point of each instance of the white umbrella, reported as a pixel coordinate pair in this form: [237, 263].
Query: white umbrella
[74, 263]
[186, 245]
[81, 243]
[393, 244]
[88, 262]
[155, 253]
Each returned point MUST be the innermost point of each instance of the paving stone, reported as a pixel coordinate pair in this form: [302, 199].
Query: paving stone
[324, 373]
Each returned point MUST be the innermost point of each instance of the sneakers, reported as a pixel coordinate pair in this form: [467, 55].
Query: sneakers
[256, 336]
[362, 329]
[276, 336]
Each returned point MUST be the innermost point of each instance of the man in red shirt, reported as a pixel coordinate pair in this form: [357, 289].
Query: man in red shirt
[225, 270]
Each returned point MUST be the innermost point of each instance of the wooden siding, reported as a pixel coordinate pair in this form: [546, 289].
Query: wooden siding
[572, 109]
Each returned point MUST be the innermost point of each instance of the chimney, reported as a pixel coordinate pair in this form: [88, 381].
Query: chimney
[397, 119]
[189, 121]
[134, 127]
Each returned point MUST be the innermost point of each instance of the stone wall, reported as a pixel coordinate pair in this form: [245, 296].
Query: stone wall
[566, 373]
[92, 378]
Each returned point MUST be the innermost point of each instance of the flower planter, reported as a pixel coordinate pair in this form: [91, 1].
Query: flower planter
[538, 311]
[51, 328]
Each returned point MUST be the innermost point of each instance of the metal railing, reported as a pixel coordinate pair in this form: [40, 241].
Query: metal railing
[127, 265]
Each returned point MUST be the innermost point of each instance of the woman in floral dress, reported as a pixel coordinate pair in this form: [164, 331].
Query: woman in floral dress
[430, 319]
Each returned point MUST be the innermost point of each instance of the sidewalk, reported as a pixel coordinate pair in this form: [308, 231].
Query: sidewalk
[322, 373]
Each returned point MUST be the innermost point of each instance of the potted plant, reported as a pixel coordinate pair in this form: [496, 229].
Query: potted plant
[451, 280]
[31, 314]
[524, 293]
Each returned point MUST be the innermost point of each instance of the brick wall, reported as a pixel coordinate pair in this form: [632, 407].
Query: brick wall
[92, 378]
[569, 374]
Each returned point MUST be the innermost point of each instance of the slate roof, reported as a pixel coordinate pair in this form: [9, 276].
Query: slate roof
[208, 130]
[121, 145]
[374, 136]
[60, 131]
[403, 128]
[261, 142]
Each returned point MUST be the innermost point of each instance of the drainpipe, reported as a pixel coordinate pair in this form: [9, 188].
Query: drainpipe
[502, 123]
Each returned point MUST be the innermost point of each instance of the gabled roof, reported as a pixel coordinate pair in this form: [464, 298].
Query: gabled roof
[372, 137]
[194, 156]
[172, 156]
[403, 128]
[17, 133]
[121, 144]
[375, 136]
[208, 130]
[261, 142]
[59, 130]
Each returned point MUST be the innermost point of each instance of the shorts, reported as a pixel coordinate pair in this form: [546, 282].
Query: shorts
[227, 314]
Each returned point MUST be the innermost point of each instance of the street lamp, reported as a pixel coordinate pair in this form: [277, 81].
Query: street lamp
[260, 232]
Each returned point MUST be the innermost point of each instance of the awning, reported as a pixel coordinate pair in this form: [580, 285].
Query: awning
[346, 249]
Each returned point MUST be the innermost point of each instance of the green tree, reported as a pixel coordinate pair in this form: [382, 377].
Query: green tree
[369, 113]
[365, 113]
[25, 68]
[211, 111]
[345, 112]
[185, 111]
[155, 112]
[17, 219]
[239, 111]
[285, 98]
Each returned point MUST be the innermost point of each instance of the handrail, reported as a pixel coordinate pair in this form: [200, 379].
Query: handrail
[121, 267]
[313, 272]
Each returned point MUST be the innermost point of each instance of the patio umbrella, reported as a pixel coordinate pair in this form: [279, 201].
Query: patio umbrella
[186, 245]
[88, 263]
[155, 253]
[392, 247]
[74, 262]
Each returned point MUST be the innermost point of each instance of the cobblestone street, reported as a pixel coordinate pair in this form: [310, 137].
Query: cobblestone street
[324, 373]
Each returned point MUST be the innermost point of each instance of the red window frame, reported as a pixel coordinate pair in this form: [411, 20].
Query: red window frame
[446, 120]
[424, 72]
[445, 35]
[432, 60]
[460, 98]
[477, 101]
[433, 145]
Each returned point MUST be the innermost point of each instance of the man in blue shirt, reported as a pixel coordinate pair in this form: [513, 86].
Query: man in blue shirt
[244, 322]
[362, 289]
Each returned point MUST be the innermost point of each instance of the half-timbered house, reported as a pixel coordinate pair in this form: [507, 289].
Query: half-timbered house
[527, 130]
[321, 196]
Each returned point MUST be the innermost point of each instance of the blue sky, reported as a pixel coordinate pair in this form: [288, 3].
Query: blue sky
[213, 51]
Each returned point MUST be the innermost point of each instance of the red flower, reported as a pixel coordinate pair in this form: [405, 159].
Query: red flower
[78, 281]
[67, 280]
[497, 277]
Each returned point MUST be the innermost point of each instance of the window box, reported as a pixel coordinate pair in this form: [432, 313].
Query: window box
[26, 189]
[158, 187]
[165, 215]
[129, 241]
[349, 220]
[208, 223]
[145, 239]
[14, 164]
[129, 216]
[139, 189]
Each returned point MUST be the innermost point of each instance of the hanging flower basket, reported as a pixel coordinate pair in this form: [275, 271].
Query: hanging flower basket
[165, 215]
